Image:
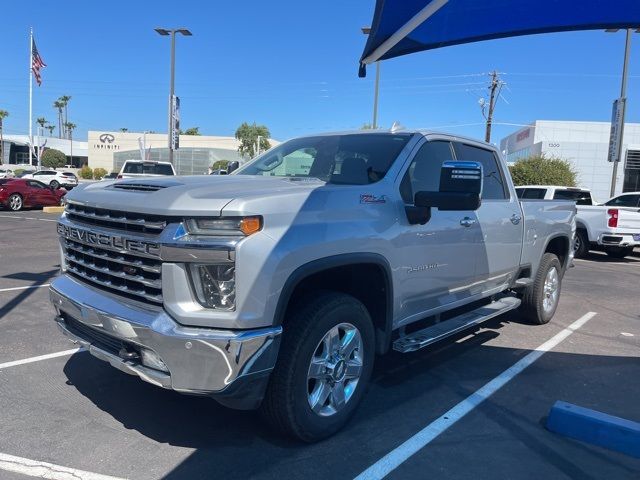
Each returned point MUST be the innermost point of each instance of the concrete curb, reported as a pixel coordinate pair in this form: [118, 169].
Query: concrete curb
[53, 209]
[594, 427]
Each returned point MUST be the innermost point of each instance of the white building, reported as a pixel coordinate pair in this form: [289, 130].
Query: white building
[585, 145]
[16, 149]
[196, 153]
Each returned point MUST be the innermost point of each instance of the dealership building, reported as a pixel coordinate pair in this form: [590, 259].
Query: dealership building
[16, 150]
[196, 153]
[585, 145]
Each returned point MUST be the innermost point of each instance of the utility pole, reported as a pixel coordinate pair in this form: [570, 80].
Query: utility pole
[623, 98]
[494, 91]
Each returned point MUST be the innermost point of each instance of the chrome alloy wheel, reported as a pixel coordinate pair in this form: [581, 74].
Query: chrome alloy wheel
[15, 202]
[551, 289]
[335, 369]
[577, 243]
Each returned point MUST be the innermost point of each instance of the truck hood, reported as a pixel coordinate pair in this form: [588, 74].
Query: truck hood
[195, 195]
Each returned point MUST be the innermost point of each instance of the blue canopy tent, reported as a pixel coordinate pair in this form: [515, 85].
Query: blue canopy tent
[401, 27]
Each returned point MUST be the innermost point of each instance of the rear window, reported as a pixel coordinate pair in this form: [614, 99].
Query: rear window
[4, 181]
[68, 174]
[531, 193]
[581, 198]
[148, 168]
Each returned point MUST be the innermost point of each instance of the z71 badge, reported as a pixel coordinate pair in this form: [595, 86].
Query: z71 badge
[368, 198]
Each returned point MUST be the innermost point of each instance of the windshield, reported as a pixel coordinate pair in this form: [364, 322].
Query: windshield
[148, 168]
[355, 159]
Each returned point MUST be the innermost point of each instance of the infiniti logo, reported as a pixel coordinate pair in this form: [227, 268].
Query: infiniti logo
[107, 138]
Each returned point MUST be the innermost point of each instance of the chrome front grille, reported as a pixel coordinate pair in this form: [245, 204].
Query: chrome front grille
[123, 273]
[125, 221]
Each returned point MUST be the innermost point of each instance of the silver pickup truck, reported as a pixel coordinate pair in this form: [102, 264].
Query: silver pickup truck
[275, 287]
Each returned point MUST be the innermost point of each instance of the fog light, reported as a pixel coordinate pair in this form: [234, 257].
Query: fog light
[152, 360]
[215, 285]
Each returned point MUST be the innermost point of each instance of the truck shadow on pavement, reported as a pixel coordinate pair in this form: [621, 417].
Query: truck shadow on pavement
[406, 393]
[36, 278]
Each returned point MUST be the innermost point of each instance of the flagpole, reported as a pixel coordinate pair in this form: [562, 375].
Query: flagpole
[31, 97]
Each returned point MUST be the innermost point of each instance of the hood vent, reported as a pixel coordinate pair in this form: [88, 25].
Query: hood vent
[138, 187]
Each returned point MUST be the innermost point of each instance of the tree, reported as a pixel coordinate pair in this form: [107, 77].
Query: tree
[248, 137]
[542, 170]
[64, 99]
[41, 121]
[52, 158]
[192, 131]
[51, 127]
[366, 126]
[58, 105]
[69, 127]
[3, 114]
[124, 130]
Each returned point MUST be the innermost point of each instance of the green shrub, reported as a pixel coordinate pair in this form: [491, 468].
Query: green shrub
[86, 173]
[52, 158]
[18, 171]
[98, 173]
[220, 164]
[540, 170]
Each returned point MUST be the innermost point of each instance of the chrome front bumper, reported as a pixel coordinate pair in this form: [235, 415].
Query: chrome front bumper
[231, 366]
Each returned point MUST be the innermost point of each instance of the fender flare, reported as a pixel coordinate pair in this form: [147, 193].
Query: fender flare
[383, 338]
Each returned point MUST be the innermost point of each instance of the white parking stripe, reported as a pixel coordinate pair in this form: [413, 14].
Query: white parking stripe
[29, 218]
[34, 468]
[13, 289]
[48, 356]
[399, 455]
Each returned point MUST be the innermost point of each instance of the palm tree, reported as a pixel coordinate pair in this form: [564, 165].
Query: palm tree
[3, 114]
[124, 130]
[69, 127]
[51, 127]
[65, 101]
[59, 106]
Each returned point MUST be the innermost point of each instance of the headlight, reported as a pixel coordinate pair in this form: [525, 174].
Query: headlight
[224, 226]
[215, 285]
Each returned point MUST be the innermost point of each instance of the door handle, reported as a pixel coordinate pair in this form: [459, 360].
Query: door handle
[467, 222]
[515, 219]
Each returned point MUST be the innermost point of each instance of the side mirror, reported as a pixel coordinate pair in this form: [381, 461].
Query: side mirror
[232, 166]
[460, 188]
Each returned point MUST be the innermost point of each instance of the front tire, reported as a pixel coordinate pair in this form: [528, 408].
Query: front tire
[540, 300]
[619, 252]
[323, 367]
[15, 202]
[54, 184]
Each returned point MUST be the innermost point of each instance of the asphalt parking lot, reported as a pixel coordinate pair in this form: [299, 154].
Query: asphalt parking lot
[75, 412]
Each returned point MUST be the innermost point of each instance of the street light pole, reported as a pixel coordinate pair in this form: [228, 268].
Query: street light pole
[376, 90]
[172, 32]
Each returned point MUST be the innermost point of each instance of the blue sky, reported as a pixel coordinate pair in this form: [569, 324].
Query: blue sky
[291, 65]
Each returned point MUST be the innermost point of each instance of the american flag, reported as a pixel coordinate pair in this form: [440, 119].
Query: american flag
[36, 62]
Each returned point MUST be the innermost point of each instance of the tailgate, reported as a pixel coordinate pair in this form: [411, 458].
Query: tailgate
[629, 219]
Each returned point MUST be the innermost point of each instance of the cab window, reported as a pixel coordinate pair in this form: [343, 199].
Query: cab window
[423, 173]
[493, 184]
[625, 201]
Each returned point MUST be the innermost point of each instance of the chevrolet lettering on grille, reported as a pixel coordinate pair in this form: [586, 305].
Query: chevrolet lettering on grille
[114, 242]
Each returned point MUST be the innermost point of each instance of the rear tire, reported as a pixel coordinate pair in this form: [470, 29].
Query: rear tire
[540, 300]
[323, 368]
[581, 245]
[15, 202]
[619, 252]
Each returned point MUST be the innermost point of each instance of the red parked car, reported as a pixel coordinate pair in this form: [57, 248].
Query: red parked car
[16, 193]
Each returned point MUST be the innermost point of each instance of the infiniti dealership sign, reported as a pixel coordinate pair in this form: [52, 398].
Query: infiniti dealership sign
[106, 142]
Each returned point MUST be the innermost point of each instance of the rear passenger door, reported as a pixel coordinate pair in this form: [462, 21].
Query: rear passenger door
[500, 221]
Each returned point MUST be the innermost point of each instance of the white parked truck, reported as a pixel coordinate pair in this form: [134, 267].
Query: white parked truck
[276, 286]
[613, 226]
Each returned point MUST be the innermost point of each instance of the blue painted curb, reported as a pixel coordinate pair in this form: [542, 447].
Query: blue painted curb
[594, 427]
